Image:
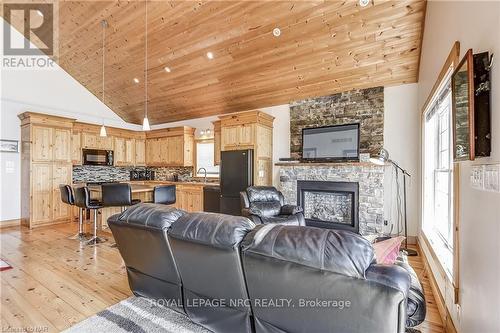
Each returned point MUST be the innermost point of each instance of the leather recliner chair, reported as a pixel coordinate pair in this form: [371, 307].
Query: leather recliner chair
[206, 249]
[265, 204]
[311, 267]
[140, 233]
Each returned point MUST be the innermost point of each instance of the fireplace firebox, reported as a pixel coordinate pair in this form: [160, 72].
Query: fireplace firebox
[328, 204]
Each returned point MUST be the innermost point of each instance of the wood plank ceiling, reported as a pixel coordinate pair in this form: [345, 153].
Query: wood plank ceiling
[324, 47]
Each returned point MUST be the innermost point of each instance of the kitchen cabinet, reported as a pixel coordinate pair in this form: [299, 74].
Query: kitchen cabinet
[251, 130]
[119, 151]
[42, 143]
[170, 147]
[104, 142]
[62, 145]
[124, 151]
[217, 142]
[76, 148]
[140, 152]
[46, 156]
[189, 198]
[129, 152]
[95, 141]
[89, 140]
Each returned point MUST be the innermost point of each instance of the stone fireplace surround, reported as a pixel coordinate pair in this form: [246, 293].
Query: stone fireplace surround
[369, 176]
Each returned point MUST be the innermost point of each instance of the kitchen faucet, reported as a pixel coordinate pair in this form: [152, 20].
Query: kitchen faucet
[205, 180]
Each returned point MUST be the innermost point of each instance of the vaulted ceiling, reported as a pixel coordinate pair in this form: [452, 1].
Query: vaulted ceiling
[324, 47]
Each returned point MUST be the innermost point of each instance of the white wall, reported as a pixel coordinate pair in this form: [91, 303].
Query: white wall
[401, 139]
[476, 25]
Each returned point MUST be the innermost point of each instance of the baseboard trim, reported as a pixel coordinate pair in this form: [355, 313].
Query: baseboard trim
[445, 315]
[10, 223]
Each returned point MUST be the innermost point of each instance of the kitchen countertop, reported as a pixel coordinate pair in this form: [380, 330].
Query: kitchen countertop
[149, 184]
[168, 182]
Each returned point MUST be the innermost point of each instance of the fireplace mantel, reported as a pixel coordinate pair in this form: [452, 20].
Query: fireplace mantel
[369, 176]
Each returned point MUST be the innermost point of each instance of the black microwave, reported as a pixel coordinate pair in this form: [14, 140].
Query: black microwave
[97, 157]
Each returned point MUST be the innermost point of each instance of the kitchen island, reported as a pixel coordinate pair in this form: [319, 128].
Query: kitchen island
[189, 196]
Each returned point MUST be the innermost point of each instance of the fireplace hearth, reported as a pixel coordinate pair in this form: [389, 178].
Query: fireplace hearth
[330, 204]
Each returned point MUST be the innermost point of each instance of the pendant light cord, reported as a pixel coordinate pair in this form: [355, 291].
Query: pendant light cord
[146, 64]
[104, 24]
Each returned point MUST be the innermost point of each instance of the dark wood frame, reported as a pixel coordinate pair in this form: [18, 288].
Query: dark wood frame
[469, 58]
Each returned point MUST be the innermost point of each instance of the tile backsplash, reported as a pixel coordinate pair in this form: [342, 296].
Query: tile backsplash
[167, 173]
[95, 173]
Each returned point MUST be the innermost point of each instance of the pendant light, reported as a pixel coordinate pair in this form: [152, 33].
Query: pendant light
[145, 122]
[104, 25]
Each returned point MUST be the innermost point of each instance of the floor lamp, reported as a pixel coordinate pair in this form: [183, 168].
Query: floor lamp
[383, 159]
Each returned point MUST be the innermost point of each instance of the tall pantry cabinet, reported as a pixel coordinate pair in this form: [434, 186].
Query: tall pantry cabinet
[46, 157]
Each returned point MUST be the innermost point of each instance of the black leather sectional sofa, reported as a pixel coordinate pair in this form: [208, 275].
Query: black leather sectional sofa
[230, 275]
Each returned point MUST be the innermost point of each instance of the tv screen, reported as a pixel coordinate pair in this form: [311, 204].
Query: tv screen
[339, 142]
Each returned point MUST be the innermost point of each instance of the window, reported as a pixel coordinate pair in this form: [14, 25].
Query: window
[205, 159]
[438, 175]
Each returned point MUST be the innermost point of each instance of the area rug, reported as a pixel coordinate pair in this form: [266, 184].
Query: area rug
[138, 315]
[4, 265]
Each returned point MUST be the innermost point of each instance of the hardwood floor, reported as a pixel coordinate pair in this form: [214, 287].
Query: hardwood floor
[55, 282]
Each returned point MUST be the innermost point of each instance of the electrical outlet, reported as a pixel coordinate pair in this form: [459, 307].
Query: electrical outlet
[491, 177]
[476, 177]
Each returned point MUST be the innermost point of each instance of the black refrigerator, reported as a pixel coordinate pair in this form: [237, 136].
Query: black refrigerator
[236, 174]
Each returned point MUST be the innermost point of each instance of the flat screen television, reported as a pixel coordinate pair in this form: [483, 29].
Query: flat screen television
[331, 143]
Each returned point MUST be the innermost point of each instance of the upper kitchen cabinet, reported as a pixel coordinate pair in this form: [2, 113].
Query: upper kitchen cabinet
[217, 142]
[95, 141]
[128, 146]
[250, 130]
[170, 147]
[46, 156]
[140, 152]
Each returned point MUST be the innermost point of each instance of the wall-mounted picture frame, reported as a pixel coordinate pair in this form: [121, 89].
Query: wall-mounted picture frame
[9, 146]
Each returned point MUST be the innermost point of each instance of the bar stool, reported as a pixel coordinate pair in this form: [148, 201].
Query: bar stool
[82, 200]
[164, 194]
[68, 197]
[117, 195]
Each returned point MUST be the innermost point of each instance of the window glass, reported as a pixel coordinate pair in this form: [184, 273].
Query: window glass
[205, 159]
[438, 191]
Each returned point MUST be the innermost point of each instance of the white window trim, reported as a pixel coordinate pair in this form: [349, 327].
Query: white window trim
[442, 250]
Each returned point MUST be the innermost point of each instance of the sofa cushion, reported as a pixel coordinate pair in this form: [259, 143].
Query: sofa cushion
[387, 251]
[218, 230]
[337, 251]
[151, 215]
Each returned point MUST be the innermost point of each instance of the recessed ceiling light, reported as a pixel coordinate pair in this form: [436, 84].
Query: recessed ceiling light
[210, 55]
[276, 32]
[167, 69]
[364, 3]
[136, 80]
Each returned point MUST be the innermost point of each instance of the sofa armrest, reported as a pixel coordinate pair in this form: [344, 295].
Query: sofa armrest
[290, 210]
[391, 276]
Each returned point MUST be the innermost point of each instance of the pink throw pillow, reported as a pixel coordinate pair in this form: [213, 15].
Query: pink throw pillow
[387, 251]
